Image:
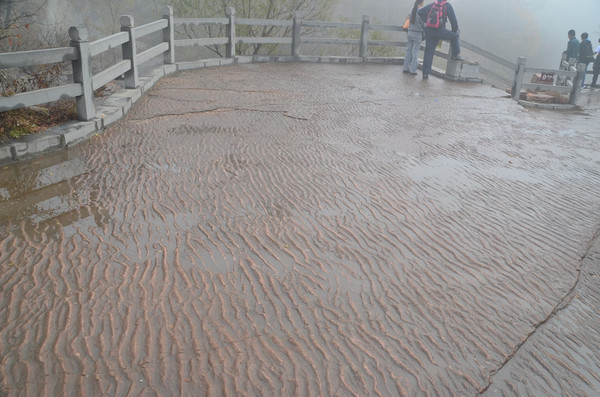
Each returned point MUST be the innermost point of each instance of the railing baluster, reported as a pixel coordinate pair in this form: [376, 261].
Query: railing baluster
[296, 35]
[169, 35]
[576, 89]
[130, 51]
[82, 73]
[364, 36]
[519, 73]
[230, 47]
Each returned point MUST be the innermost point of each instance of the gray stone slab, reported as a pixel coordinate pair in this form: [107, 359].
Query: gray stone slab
[157, 74]
[308, 58]
[551, 106]
[146, 83]
[44, 143]
[272, 58]
[124, 103]
[169, 69]
[35, 144]
[18, 149]
[191, 65]
[243, 60]
[385, 61]
[76, 132]
[212, 62]
[261, 59]
[133, 94]
[284, 58]
[5, 154]
[108, 115]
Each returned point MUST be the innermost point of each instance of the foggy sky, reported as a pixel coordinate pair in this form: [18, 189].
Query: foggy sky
[501, 26]
[535, 29]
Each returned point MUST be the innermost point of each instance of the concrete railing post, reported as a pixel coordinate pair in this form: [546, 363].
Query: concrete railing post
[518, 83]
[169, 35]
[452, 66]
[296, 36]
[82, 73]
[130, 51]
[563, 60]
[230, 47]
[364, 36]
[576, 89]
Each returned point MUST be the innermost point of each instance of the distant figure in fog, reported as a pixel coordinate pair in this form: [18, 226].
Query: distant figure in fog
[434, 34]
[586, 53]
[572, 50]
[596, 67]
[414, 39]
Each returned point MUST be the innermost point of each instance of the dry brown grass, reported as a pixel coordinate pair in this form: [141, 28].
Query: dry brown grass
[15, 124]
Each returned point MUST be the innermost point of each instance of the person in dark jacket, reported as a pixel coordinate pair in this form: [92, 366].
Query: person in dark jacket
[572, 50]
[596, 66]
[434, 35]
[586, 54]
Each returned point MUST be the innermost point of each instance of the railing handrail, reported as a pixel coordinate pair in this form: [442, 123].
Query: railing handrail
[264, 22]
[9, 60]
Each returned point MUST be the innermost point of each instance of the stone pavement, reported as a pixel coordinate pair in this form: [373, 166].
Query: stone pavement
[308, 229]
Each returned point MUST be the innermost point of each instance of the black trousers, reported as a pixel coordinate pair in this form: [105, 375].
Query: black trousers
[596, 71]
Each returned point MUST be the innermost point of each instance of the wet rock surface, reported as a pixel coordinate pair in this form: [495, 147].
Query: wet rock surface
[306, 229]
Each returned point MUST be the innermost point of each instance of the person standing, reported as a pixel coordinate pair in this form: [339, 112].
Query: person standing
[572, 50]
[434, 34]
[414, 39]
[596, 66]
[586, 54]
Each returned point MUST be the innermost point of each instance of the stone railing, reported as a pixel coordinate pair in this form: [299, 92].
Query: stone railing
[565, 81]
[81, 51]
[80, 54]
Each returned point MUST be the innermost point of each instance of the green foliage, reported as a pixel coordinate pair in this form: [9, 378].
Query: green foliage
[20, 131]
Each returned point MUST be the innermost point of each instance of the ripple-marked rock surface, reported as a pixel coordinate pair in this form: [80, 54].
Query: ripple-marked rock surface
[305, 229]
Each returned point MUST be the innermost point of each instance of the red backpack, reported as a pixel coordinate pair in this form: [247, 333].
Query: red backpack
[436, 15]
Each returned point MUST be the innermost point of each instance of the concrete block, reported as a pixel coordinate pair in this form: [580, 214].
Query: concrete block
[470, 70]
[108, 115]
[191, 65]
[5, 154]
[145, 83]
[243, 60]
[285, 58]
[19, 150]
[212, 62]
[261, 58]
[308, 58]
[124, 103]
[462, 70]
[133, 94]
[169, 69]
[42, 143]
[226, 61]
[158, 73]
[386, 61]
[77, 131]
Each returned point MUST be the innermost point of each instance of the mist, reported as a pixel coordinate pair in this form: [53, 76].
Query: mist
[535, 29]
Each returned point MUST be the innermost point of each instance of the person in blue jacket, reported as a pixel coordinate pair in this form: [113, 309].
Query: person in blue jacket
[572, 50]
[434, 35]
